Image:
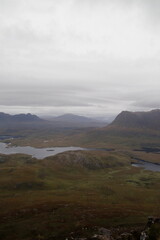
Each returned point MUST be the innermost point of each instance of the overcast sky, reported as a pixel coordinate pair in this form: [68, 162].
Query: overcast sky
[88, 57]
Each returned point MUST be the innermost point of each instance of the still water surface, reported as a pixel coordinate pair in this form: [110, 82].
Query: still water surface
[38, 153]
[147, 166]
[41, 153]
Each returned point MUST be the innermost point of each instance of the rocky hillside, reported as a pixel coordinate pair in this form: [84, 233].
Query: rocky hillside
[149, 119]
[92, 160]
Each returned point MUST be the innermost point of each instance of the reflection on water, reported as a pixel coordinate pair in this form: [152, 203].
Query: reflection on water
[41, 153]
[38, 153]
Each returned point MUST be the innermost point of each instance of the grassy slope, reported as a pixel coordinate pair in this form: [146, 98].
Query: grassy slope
[110, 137]
[64, 193]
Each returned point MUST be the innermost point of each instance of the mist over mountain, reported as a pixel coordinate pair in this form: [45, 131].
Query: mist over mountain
[29, 121]
[72, 120]
[125, 119]
[94, 59]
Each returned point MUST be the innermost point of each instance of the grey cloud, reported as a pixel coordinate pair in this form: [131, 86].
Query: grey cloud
[153, 8]
[87, 55]
[151, 104]
[42, 97]
[147, 99]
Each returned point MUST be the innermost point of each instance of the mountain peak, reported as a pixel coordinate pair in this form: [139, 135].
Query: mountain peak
[69, 117]
[150, 119]
[18, 117]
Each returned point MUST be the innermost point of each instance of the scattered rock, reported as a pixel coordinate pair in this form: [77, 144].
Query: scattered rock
[126, 236]
[143, 235]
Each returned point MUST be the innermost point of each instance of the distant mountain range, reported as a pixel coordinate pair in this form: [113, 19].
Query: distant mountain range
[5, 118]
[126, 119]
[72, 120]
[127, 128]
[63, 121]
[142, 120]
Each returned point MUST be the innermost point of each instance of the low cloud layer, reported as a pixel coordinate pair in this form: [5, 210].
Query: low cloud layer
[83, 56]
